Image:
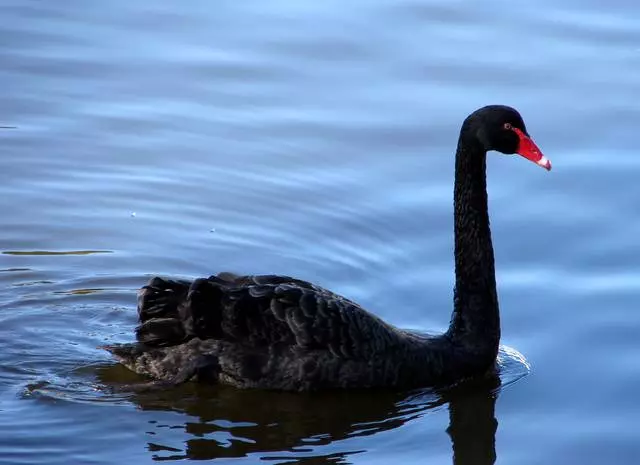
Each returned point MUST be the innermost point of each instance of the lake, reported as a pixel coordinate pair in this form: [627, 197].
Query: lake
[316, 139]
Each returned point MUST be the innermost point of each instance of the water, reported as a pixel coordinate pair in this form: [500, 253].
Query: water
[315, 139]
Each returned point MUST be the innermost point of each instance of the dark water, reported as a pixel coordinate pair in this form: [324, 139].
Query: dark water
[315, 139]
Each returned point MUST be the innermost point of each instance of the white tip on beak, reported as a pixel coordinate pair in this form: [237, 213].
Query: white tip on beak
[545, 163]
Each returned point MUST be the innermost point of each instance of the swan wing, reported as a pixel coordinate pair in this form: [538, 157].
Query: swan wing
[258, 311]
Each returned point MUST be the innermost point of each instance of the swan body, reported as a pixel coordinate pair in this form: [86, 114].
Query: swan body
[278, 332]
[275, 332]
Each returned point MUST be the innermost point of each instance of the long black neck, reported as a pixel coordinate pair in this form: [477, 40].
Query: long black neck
[475, 323]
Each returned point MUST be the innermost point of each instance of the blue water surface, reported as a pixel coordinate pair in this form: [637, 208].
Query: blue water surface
[316, 139]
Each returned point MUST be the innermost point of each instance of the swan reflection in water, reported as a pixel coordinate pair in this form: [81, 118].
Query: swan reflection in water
[285, 427]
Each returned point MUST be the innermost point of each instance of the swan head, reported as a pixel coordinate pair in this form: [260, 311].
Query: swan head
[501, 128]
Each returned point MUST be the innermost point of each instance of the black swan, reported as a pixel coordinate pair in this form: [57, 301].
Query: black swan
[277, 332]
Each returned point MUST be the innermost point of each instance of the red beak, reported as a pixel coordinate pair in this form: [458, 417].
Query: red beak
[529, 150]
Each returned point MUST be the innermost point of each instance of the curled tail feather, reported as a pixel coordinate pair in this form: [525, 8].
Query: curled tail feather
[172, 312]
[158, 312]
[160, 298]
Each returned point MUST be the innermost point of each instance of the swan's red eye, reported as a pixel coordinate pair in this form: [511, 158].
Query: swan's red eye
[508, 126]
